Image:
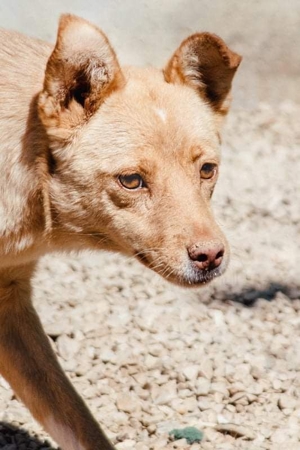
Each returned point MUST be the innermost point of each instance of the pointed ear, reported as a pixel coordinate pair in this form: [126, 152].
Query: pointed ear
[204, 62]
[81, 72]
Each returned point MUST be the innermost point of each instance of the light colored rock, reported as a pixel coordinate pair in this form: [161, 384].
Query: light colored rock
[127, 403]
[220, 387]
[222, 419]
[141, 446]
[126, 433]
[288, 402]
[206, 369]
[191, 372]
[204, 404]
[107, 355]
[181, 443]
[67, 347]
[128, 444]
[202, 386]
[236, 431]
[280, 436]
[162, 395]
[160, 444]
[152, 362]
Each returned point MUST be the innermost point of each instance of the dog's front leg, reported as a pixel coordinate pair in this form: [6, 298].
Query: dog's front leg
[29, 364]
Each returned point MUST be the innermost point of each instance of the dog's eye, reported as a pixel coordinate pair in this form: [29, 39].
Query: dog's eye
[208, 171]
[132, 182]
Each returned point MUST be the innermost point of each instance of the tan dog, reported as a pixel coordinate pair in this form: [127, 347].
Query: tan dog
[95, 156]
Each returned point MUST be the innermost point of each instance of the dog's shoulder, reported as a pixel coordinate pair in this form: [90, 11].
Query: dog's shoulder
[22, 67]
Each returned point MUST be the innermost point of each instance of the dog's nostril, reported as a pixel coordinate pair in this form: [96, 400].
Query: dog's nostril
[220, 254]
[202, 257]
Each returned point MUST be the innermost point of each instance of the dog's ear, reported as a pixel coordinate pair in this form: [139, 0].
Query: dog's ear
[81, 72]
[204, 62]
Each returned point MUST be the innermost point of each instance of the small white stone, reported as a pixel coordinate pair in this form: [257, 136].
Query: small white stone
[162, 395]
[128, 444]
[180, 443]
[67, 347]
[126, 402]
[221, 419]
[288, 402]
[236, 431]
[202, 386]
[191, 372]
[206, 369]
[205, 404]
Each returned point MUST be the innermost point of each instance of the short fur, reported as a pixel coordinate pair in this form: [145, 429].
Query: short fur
[73, 126]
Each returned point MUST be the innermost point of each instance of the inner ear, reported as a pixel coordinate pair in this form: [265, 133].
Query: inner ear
[204, 62]
[81, 91]
[81, 72]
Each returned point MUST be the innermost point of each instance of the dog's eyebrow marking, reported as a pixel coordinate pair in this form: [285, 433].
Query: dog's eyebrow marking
[196, 152]
[161, 113]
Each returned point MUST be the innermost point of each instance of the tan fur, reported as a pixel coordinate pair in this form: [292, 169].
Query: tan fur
[71, 123]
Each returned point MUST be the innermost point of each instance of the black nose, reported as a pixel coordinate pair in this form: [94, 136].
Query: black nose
[207, 255]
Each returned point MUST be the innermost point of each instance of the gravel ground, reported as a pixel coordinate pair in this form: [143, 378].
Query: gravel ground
[149, 357]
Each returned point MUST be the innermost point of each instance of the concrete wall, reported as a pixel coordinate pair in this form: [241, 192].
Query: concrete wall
[266, 32]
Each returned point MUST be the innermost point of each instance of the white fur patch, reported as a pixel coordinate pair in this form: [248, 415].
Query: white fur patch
[63, 435]
[162, 114]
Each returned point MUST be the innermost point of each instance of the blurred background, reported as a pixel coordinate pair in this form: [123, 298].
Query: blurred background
[265, 32]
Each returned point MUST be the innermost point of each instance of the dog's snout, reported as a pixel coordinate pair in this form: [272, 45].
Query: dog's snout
[207, 256]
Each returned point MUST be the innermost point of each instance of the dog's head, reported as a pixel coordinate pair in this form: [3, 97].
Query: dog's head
[135, 152]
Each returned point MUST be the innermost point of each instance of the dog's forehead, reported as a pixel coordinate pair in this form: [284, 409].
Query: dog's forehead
[151, 113]
[147, 93]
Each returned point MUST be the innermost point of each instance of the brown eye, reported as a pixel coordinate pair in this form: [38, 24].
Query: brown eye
[132, 182]
[208, 171]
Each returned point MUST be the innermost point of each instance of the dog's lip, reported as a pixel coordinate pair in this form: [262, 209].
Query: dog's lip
[195, 277]
[202, 277]
[142, 257]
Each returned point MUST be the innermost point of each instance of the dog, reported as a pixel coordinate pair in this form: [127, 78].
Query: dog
[95, 156]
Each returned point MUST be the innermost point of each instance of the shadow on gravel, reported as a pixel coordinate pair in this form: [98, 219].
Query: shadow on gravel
[15, 438]
[250, 295]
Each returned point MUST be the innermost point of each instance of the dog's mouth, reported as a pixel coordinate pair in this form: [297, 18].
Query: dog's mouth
[141, 256]
[197, 277]
[188, 276]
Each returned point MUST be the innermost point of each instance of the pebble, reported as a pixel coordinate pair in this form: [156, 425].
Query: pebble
[286, 401]
[202, 386]
[206, 369]
[191, 372]
[128, 444]
[236, 431]
[126, 403]
[162, 395]
[67, 347]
